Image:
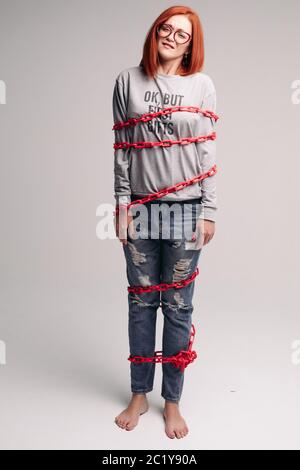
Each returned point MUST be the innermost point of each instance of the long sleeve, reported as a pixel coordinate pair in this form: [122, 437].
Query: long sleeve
[207, 152]
[122, 190]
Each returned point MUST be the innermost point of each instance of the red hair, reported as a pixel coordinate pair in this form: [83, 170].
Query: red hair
[150, 59]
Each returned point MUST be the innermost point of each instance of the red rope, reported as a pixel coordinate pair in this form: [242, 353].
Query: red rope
[148, 116]
[180, 360]
[184, 357]
[170, 189]
[165, 143]
[164, 286]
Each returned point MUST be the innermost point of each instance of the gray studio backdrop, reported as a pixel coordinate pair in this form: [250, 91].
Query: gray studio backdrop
[63, 326]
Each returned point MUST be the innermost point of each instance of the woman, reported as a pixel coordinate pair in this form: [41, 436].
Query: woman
[169, 76]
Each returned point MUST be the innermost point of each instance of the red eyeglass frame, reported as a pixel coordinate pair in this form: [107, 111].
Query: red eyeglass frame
[171, 31]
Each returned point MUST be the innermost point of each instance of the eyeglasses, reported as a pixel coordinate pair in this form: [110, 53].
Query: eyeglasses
[180, 36]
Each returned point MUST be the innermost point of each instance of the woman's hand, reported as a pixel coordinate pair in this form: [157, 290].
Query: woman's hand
[121, 222]
[205, 230]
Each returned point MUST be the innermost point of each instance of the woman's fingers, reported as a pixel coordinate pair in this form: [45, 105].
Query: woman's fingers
[209, 230]
[204, 232]
[121, 225]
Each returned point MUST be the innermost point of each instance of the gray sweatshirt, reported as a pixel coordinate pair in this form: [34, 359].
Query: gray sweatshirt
[148, 170]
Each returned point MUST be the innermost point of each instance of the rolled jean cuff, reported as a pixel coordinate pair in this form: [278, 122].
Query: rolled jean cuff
[173, 400]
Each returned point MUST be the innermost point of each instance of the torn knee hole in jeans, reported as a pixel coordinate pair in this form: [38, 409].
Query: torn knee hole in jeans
[135, 299]
[144, 280]
[179, 303]
[137, 257]
[181, 269]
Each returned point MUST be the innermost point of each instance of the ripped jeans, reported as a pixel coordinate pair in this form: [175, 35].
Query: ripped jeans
[161, 258]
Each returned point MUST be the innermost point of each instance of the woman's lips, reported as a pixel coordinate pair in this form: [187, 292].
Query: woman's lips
[167, 45]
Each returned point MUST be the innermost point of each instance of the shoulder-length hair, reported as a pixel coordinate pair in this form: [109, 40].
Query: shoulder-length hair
[150, 59]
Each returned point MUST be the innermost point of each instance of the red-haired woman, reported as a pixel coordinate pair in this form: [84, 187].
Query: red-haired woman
[173, 147]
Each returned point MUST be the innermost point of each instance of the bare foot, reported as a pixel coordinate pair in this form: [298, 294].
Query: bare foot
[129, 417]
[175, 424]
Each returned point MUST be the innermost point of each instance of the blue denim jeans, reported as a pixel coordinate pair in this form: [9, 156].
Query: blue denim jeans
[161, 258]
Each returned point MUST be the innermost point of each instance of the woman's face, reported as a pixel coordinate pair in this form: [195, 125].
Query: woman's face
[172, 46]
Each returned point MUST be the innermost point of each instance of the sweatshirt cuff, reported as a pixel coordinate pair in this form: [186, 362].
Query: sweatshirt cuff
[208, 213]
[122, 199]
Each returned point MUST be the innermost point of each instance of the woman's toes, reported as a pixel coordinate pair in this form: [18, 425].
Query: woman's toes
[129, 417]
[180, 433]
[170, 433]
[175, 426]
[122, 423]
[130, 426]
